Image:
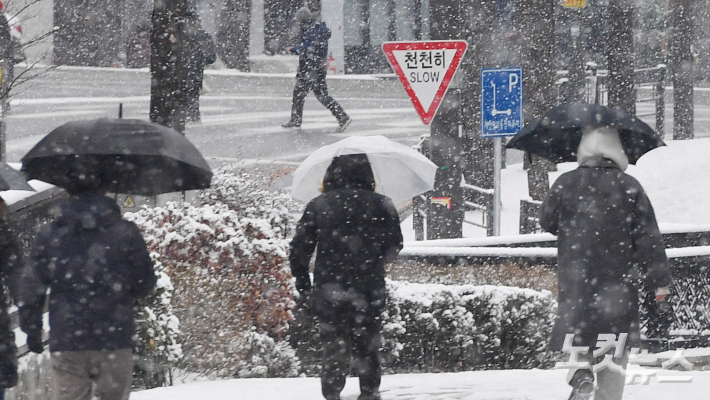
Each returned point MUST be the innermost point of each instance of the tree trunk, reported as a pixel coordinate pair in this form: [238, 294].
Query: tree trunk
[233, 34]
[278, 20]
[622, 92]
[536, 25]
[168, 63]
[476, 27]
[681, 66]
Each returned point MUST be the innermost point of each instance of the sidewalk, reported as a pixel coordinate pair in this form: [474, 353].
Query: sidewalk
[479, 385]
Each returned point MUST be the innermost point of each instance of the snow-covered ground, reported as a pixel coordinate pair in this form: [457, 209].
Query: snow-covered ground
[480, 385]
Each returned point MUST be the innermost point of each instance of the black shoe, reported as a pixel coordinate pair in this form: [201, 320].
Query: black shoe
[291, 124]
[344, 124]
[369, 397]
[582, 385]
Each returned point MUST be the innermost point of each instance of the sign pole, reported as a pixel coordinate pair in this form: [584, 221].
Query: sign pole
[497, 203]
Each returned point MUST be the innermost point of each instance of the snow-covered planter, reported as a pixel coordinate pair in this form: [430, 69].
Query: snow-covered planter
[157, 344]
[227, 261]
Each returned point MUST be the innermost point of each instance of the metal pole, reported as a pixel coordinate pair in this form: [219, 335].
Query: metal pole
[497, 162]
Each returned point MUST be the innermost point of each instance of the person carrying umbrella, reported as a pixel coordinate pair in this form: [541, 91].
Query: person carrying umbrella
[606, 231]
[95, 264]
[354, 231]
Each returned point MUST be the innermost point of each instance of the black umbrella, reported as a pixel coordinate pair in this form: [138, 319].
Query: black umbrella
[11, 179]
[556, 134]
[119, 155]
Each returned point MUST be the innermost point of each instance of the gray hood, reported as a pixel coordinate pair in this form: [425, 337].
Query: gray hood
[603, 142]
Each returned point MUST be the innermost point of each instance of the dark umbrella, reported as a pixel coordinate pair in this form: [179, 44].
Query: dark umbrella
[11, 179]
[556, 134]
[118, 155]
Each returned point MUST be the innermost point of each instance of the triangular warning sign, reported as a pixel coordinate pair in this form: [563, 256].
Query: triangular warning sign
[129, 203]
[425, 69]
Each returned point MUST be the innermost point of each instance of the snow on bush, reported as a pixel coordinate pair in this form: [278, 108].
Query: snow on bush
[429, 327]
[157, 329]
[227, 260]
[434, 327]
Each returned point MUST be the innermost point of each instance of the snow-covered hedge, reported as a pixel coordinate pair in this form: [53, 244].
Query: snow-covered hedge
[157, 344]
[432, 327]
[227, 261]
[429, 327]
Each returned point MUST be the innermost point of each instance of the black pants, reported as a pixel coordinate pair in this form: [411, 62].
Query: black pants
[192, 93]
[307, 80]
[355, 334]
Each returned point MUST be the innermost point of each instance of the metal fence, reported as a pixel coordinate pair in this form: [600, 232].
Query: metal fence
[682, 322]
[649, 84]
[25, 218]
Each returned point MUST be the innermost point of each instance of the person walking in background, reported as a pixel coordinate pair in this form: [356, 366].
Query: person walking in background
[312, 70]
[10, 261]
[202, 52]
[606, 236]
[354, 231]
[95, 264]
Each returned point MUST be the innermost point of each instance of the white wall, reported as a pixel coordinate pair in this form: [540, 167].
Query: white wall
[332, 15]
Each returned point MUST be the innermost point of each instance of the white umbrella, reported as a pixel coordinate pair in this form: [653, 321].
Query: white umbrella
[400, 171]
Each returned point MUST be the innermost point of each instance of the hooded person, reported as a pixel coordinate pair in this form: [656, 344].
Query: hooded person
[312, 69]
[354, 232]
[607, 237]
[95, 264]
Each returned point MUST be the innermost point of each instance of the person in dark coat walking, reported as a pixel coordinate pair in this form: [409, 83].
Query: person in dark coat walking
[312, 70]
[203, 52]
[96, 264]
[354, 231]
[10, 261]
[607, 237]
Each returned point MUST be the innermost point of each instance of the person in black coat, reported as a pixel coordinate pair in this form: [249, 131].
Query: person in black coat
[607, 237]
[312, 70]
[354, 231]
[10, 261]
[95, 265]
[202, 52]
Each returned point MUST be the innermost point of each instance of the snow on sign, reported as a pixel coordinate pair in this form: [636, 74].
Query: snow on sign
[425, 69]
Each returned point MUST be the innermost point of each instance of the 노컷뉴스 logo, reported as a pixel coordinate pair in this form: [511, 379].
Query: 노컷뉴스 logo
[628, 363]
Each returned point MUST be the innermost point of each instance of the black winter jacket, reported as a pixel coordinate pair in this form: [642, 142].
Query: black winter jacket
[313, 49]
[95, 264]
[353, 230]
[607, 238]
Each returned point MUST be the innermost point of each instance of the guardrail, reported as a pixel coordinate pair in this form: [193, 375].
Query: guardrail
[686, 324]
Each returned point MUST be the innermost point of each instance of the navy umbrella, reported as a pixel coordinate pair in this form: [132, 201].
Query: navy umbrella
[556, 134]
[118, 155]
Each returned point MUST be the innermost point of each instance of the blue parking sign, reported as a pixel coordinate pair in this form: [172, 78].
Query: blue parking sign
[501, 101]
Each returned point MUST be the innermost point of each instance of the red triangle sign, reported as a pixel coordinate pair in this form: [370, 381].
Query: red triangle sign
[425, 69]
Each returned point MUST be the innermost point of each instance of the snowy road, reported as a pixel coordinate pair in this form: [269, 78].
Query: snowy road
[481, 385]
[242, 113]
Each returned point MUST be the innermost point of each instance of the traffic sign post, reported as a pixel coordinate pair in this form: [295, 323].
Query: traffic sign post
[501, 115]
[425, 69]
